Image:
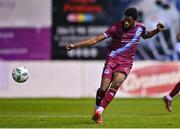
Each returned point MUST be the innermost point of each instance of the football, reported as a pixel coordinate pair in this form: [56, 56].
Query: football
[20, 74]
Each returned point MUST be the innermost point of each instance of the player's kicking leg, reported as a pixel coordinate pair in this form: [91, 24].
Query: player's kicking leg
[108, 97]
[105, 83]
[97, 117]
[168, 99]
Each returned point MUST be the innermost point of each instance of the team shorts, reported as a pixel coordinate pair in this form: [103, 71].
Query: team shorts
[111, 67]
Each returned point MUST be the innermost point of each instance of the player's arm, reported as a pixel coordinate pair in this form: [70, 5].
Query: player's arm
[87, 42]
[149, 34]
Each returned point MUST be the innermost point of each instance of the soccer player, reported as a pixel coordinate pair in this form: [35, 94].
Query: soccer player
[125, 36]
[168, 98]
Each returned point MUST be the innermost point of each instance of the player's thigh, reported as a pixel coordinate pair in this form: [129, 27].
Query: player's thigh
[118, 79]
[106, 77]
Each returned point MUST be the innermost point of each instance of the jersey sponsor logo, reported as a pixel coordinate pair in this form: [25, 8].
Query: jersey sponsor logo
[106, 71]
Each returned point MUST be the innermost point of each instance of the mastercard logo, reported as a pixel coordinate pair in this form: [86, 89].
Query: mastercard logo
[80, 17]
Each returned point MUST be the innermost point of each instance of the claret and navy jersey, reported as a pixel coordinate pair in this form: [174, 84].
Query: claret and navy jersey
[122, 50]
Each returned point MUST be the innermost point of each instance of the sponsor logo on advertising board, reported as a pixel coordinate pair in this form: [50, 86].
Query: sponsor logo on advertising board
[152, 80]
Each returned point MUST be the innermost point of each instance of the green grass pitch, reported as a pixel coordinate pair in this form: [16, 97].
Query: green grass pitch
[76, 113]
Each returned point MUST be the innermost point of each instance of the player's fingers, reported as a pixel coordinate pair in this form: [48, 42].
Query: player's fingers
[160, 25]
[68, 47]
[162, 28]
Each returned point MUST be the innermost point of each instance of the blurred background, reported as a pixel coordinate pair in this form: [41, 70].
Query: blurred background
[33, 33]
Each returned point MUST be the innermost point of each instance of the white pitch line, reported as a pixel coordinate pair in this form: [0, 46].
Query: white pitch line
[52, 116]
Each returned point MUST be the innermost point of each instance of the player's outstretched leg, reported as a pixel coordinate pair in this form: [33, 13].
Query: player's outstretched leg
[97, 117]
[175, 90]
[105, 83]
[110, 94]
[168, 99]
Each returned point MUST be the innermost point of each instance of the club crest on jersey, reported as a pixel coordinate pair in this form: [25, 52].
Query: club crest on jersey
[106, 71]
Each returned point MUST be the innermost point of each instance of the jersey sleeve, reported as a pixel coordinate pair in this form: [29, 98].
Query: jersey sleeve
[144, 30]
[111, 30]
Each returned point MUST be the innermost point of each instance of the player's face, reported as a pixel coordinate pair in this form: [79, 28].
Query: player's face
[128, 22]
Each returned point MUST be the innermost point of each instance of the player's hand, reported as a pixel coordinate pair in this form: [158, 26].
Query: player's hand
[160, 27]
[70, 46]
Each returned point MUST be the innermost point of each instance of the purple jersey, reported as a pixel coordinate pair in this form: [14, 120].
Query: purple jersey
[124, 43]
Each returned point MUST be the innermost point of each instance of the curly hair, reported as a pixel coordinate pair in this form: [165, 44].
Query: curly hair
[131, 12]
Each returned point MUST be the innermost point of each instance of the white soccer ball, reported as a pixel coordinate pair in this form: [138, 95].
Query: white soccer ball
[20, 74]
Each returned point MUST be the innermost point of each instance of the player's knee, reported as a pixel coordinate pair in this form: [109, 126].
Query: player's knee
[118, 82]
[118, 79]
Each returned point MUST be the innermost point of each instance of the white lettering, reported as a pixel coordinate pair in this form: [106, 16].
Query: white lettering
[134, 82]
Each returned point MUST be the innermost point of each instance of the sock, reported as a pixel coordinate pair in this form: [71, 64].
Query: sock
[169, 97]
[100, 109]
[99, 96]
[108, 97]
[175, 90]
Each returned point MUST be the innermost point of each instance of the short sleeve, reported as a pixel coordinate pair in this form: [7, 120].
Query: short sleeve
[112, 30]
[144, 30]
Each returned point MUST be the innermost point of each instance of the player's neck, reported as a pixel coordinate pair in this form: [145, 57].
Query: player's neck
[129, 28]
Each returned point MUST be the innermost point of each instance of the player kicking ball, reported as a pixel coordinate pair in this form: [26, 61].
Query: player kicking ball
[168, 98]
[125, 36]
